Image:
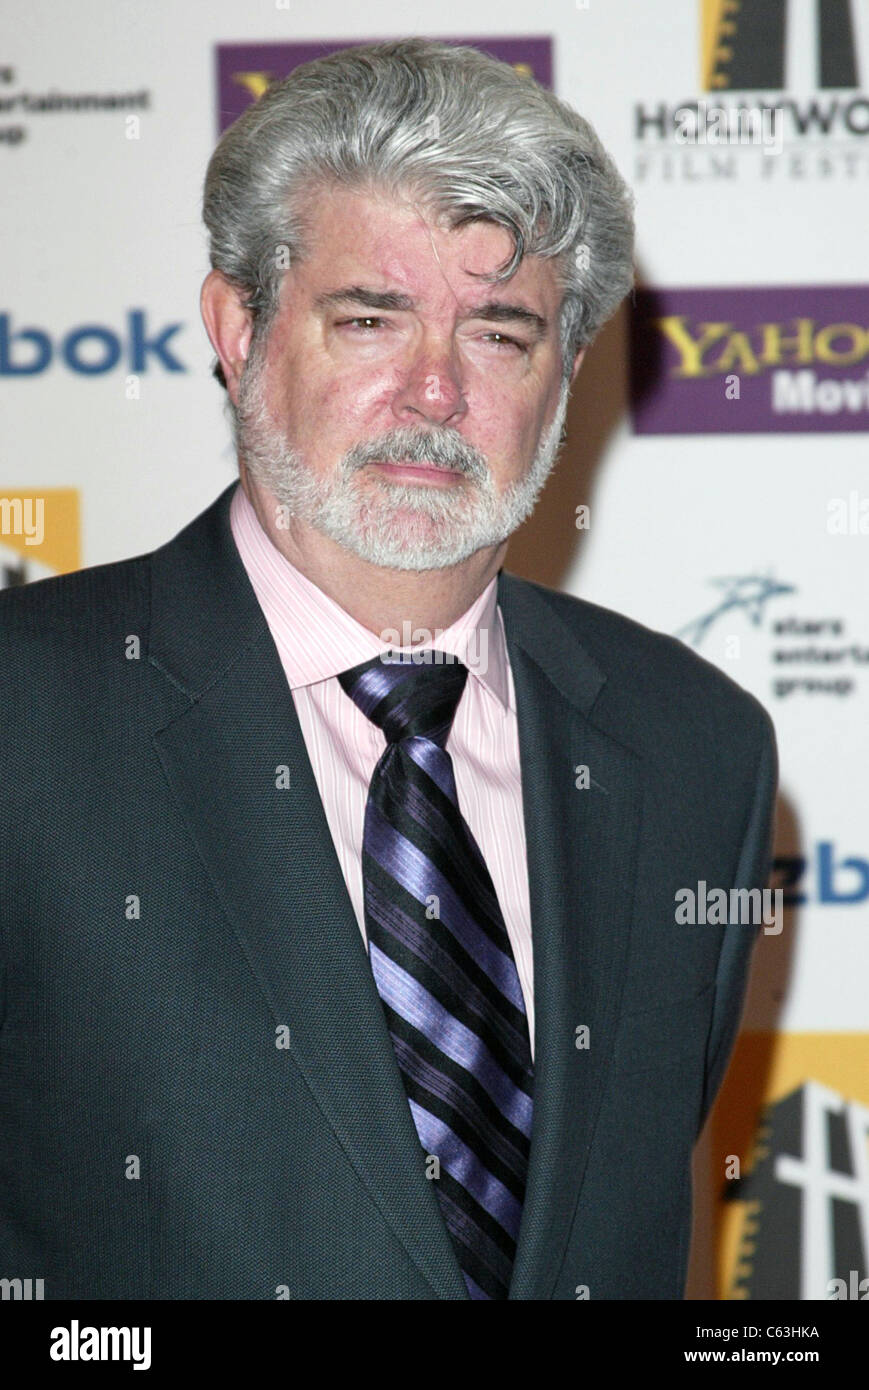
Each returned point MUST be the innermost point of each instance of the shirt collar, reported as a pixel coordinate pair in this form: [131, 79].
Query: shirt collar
[316, 638]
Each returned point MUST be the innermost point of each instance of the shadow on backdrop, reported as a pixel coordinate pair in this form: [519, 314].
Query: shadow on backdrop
[548, 545]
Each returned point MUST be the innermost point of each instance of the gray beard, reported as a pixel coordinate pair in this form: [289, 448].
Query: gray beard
[403, 526]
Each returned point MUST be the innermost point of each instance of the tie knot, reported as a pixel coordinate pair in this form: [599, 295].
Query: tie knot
[408, 695]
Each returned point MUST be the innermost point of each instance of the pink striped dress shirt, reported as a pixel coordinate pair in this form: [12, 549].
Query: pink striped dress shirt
[316, 639]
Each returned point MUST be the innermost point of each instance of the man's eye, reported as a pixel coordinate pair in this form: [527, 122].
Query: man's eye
[507, 342]
[366, 322]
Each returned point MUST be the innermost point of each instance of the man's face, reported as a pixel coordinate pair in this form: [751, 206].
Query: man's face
[405, 407]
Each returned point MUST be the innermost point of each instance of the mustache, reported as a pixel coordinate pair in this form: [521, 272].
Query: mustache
[438, 448]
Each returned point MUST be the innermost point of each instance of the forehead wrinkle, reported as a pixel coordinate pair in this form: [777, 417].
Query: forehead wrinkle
[395, 268]
[430, 234]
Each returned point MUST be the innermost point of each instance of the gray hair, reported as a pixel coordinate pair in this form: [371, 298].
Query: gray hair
[469, 136]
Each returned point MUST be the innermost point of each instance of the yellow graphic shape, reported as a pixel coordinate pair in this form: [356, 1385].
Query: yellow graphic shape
[717, 27]
[257, 83]
[42, 524]
[765, 1067]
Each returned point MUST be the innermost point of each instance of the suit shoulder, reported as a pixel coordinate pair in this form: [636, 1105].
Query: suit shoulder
[75, 612]
[654, 666]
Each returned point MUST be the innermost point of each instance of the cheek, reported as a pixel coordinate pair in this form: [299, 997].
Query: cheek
[505, 428]
[345, 399]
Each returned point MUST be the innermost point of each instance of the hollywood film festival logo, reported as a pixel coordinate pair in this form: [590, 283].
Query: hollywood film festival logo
[804, 1204]
[776, 77]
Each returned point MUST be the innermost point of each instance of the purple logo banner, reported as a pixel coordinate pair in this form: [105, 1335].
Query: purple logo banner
[246, 70]
[778, 359]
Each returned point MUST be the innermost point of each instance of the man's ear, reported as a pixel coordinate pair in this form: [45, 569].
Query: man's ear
[577, 363]
[229, 326]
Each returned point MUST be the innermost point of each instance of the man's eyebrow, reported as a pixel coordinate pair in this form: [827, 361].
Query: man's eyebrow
[358, 294]
[495, 311]
[498, 312]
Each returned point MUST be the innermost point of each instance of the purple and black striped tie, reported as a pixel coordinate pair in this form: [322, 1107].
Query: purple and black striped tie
[443, 965]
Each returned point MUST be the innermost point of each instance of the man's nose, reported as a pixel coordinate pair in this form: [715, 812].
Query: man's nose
[432, 389]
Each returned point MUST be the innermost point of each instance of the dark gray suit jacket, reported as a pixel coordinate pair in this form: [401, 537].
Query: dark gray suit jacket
[165, 908]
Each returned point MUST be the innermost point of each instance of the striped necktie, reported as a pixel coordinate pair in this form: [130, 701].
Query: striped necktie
[443, 965]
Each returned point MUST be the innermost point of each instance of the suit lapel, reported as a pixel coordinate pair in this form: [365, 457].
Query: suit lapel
[269, 853]
[270, 856]
[582, 846]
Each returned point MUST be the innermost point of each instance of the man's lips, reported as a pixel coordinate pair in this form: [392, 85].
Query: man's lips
[425, 472]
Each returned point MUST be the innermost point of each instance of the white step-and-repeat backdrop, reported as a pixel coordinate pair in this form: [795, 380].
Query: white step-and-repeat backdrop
[718, 436]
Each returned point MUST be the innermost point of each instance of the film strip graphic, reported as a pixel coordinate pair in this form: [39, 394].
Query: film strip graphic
[743, 43]
[805, 1203]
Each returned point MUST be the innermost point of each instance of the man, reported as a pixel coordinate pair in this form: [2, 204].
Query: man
[339, 867]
